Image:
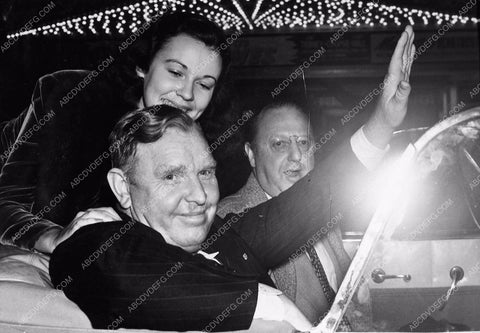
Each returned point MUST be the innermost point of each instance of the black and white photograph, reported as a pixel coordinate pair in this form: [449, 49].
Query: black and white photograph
[270, 166]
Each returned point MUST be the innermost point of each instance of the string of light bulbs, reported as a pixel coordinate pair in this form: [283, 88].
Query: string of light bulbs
[127, 19]
[270, 14]
[335, 13]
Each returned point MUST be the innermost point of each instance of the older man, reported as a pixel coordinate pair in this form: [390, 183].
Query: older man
[169, 264]
[280, 150]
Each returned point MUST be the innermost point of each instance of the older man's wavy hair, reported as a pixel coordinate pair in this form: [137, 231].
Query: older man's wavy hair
[144, 126]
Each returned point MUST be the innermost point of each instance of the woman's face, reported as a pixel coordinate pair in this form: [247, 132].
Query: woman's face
[182, 74]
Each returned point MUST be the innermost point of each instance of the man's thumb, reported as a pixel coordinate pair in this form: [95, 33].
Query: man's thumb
[403, 91]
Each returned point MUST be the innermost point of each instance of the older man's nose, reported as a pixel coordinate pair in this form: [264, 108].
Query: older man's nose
[294, 153]
[196, 192]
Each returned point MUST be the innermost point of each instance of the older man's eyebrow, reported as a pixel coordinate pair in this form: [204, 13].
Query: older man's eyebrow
[211, 164]
[162, 170]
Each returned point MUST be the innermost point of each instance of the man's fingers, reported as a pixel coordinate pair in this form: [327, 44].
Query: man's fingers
[410, 44]
[409, 54]
[391, 83]
[397, 57]
[412, 54]
[406, 51]
[410, 33]
[405, 55]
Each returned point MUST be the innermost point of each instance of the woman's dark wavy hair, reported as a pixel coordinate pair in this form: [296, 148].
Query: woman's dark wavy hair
[141, 53]
[174, 24]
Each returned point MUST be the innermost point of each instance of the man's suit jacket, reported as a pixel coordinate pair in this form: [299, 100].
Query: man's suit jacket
[135, 277]
[296, 278]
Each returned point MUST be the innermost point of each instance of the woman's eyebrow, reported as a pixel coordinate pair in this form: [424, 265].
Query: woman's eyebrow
[177, 62]
[210, 77]
[186, 67]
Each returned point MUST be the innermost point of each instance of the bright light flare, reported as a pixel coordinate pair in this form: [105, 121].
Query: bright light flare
[395, 183]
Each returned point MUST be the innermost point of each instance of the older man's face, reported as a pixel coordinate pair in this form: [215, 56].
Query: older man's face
[279, 155]
[174, 189]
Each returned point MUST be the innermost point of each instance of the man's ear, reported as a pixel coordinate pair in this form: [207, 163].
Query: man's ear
[140, 72]
[120, 187]
[249, 152]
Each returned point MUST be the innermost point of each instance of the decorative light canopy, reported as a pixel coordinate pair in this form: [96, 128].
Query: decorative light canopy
[335, 13]
[125, 20]
[246, 14]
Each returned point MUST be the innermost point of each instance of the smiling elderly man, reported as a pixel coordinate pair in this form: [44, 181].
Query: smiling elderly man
[175, 267]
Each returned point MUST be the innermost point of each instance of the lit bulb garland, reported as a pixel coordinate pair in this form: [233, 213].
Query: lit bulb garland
[127, 19]
[266, 15]
[348, 12]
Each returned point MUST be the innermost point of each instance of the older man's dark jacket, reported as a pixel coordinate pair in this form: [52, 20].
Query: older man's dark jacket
[132, 276]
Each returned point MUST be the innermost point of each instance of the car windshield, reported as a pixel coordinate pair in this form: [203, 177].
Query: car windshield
[418, 267]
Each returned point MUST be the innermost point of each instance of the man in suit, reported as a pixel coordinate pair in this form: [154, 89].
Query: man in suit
[279, 147]
[169, 263]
